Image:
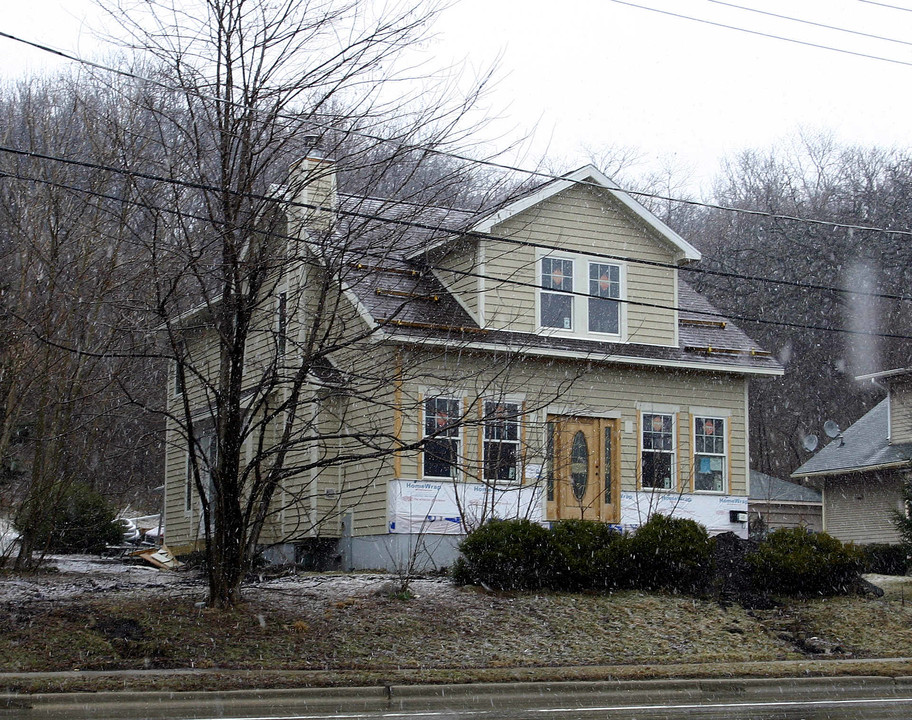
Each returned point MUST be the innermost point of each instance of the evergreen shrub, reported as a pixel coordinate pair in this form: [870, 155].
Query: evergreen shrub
[589, 555]
[885, 559]
[507, 555]
[794, 561]
[82, 521]
[667, 553]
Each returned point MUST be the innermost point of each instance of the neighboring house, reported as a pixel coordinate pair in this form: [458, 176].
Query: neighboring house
[550, 362]
[782, 504]
[861, 473]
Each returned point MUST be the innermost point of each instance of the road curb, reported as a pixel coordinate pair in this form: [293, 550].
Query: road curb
[127, 705]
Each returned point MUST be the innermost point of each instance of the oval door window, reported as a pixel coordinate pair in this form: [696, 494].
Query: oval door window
[579, 465]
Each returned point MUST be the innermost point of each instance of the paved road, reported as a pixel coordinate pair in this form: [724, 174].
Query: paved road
[781, 699]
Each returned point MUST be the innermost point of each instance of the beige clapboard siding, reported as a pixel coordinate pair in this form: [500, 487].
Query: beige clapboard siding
[901, 412]
[581, 220]
[788, 515]
[859, 508]
[461, 257]
[178, 524]
[364, 482]
[606, 391]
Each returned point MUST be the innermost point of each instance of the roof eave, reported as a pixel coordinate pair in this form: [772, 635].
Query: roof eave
[851, 470]
[594, 357]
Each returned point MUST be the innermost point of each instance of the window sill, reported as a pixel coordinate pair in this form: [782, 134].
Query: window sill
[560, 332]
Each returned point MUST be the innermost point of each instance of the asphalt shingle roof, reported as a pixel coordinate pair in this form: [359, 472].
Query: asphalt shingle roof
[406, 295]
[866, 447]
[766, 488]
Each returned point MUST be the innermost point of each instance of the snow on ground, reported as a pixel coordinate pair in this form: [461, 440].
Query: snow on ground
[79, 575]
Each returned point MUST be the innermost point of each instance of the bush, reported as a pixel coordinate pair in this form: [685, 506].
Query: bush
[668, 553]
[794, 561]
[588, 557]
[507, 555]
[82, 521]
[884, 559]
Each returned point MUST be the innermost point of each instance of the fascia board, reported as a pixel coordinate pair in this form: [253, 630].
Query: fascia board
[852, 470]
[457, 297]
[592, 357]
[885, 374]
[180, 320]
[686, 251]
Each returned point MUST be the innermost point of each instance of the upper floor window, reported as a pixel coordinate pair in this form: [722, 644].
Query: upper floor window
[556, 306]
[501, 440]
[657, 452]
[443, 437]
[710, 458]
[604, 293]
[580, 295]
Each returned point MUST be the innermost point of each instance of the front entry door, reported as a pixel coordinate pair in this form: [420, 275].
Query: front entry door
[585, 465]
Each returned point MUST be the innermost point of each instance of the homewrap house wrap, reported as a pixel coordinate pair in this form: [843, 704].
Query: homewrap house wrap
[861, 473]
[547, 360]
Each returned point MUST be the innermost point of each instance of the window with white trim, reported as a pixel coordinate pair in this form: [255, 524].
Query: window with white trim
[443, 437]
[501, 440]
[604, 293]
[710, 456]
[597, 305]
[556, 305]
[657, 451]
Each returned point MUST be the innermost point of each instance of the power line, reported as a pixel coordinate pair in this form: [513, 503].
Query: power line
[762, 34]
[491, 163]
[443, 229]
[811, 22]
[506, 281]
[891, 7]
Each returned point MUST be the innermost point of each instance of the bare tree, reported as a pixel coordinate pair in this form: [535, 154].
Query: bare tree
[807, 281]
[247, 263]
[66, 275]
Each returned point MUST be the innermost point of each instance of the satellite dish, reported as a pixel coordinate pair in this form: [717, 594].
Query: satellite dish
[810, 443]
[831, 429]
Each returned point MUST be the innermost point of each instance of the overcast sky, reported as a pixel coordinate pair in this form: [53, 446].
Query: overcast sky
[581, 74]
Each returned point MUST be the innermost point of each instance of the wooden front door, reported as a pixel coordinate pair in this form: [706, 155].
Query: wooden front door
[585, 467]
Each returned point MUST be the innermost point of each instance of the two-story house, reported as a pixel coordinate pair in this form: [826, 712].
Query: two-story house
[861, 473]
[547, 360]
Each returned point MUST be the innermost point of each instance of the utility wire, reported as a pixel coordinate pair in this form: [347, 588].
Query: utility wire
[891, 7]
[810, 22]
[544, 176]
[762, 34]
[361, 253]
[436, 228]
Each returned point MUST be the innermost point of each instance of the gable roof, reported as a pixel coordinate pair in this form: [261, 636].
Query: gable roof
[766, 488]
[589, 175]
[865, 448]
[403, 296]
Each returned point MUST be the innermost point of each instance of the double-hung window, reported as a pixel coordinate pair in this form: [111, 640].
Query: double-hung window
[580, 295]
[604, 293]
[442, 434]
[710, 457]
[657, 452]
[556, 304]
[501, 440]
